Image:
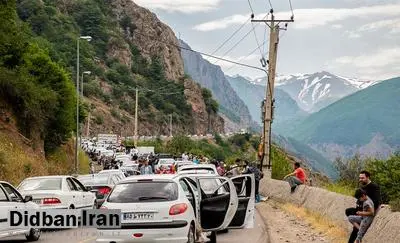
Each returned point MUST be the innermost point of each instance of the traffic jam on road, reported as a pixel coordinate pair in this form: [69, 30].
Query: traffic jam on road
[161, 198]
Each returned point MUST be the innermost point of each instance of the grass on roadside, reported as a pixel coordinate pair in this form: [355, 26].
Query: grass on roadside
[340, 188]
[320, 223]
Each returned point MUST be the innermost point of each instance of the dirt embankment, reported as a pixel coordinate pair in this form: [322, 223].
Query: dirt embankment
[330, 205]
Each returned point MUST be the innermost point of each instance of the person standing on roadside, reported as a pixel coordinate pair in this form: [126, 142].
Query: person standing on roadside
[258, 175]
[146, 168]
[373, 192]
[296, 178]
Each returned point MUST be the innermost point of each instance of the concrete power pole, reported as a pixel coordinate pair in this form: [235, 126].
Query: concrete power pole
[273, 53]
[136, 117]
[170, 125]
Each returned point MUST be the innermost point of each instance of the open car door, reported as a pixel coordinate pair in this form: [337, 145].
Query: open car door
[218, 201]
[245, 213]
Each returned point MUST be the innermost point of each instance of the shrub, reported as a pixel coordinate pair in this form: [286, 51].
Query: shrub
[98, 119]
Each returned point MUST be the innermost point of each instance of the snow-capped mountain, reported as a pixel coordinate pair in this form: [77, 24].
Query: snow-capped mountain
[315, 91]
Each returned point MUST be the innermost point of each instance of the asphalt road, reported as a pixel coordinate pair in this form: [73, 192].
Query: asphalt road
[86, 235]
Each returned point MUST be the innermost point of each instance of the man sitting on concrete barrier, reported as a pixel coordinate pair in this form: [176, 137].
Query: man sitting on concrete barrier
[298, 177]
[363, 219]
[373, 192]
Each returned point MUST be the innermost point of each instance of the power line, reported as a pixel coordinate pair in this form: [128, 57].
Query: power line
[252, 52]
[236, 44]
[270, 4]
[202, 53]
[291, 8]
[230, 37]
[251, 8]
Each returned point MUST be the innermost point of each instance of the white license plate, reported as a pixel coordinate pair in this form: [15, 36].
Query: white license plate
[37, 201]
[138, 216]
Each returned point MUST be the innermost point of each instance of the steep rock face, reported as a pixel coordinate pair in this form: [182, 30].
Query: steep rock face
[203, 122]
[151, 36]
[211, 76]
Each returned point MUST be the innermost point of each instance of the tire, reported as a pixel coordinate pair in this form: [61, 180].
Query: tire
[34, 235]
[213, 237]
[191, 235]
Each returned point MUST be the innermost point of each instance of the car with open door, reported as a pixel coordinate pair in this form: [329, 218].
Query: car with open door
[214, 187]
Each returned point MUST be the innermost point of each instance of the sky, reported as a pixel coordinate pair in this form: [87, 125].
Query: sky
[353, 38]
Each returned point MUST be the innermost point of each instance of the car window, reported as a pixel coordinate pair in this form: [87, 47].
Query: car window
[42, 184]
[185, 187]
[78, 185]
[3, 196]
[12, 193]
[146, 191]
[71, 185]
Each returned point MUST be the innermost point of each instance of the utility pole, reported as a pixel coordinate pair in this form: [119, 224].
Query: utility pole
[88, 125]
[273, 25]
[170, 125]
[136, 117]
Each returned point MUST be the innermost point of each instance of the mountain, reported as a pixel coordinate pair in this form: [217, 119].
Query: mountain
[308, 155]
[286, 109]
[212, 77]
[315, 91]
[131, 49]
[366, 122]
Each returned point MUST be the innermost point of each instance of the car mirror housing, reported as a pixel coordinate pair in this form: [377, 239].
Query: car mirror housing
[27, 198]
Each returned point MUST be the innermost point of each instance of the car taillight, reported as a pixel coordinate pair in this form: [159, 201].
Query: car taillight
[104, 190]
[51, 201]
[178, 209]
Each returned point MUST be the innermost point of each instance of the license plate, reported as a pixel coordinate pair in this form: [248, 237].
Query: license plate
[138, 216]
[37, 201]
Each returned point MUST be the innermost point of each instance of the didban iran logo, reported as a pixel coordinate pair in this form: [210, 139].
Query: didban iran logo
[65, 218]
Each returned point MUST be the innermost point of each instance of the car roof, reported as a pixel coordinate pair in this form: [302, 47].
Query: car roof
[152, 177]
[198, 166]
[48, 177]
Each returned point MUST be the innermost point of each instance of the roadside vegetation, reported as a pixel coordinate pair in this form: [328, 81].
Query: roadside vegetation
[241, 146]
[18, 161]
[384, 172]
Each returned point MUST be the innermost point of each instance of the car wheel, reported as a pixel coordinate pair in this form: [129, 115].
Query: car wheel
[213, 237]
[191, 235]
[34, 235]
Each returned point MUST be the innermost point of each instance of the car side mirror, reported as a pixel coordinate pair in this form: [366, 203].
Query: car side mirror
[27, 199]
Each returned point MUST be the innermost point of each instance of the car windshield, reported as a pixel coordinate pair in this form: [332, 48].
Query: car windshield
[40, 184]
[149, 191]
[96, 179]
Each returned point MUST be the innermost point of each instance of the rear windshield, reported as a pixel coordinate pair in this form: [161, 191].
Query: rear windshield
[199, 171]
[149, 191]
[40, 184]
[94, 180]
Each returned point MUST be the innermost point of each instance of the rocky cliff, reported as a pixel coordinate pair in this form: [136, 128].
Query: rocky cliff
[150, 35]
[212, 77]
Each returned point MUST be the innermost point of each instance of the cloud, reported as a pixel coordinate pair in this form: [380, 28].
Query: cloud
[310, 18]
[392, 24]
[337, 26]
[184, 6]
[352, 34]
[381, 64]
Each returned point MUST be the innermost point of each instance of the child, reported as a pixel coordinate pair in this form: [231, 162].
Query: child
[363, 219]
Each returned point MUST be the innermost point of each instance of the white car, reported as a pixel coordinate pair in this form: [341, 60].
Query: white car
[164, 162]
[198, 169]
[11, 199]
[167, 208]
[119, 173]
[57, 192]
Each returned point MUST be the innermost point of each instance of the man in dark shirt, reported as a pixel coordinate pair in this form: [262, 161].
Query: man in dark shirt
[373, 191]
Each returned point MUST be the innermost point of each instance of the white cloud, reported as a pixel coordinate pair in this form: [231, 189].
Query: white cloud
[352, 34]
[381, 64]
[392, 24]
[309, 18]
[184, 6]
[337, 26]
